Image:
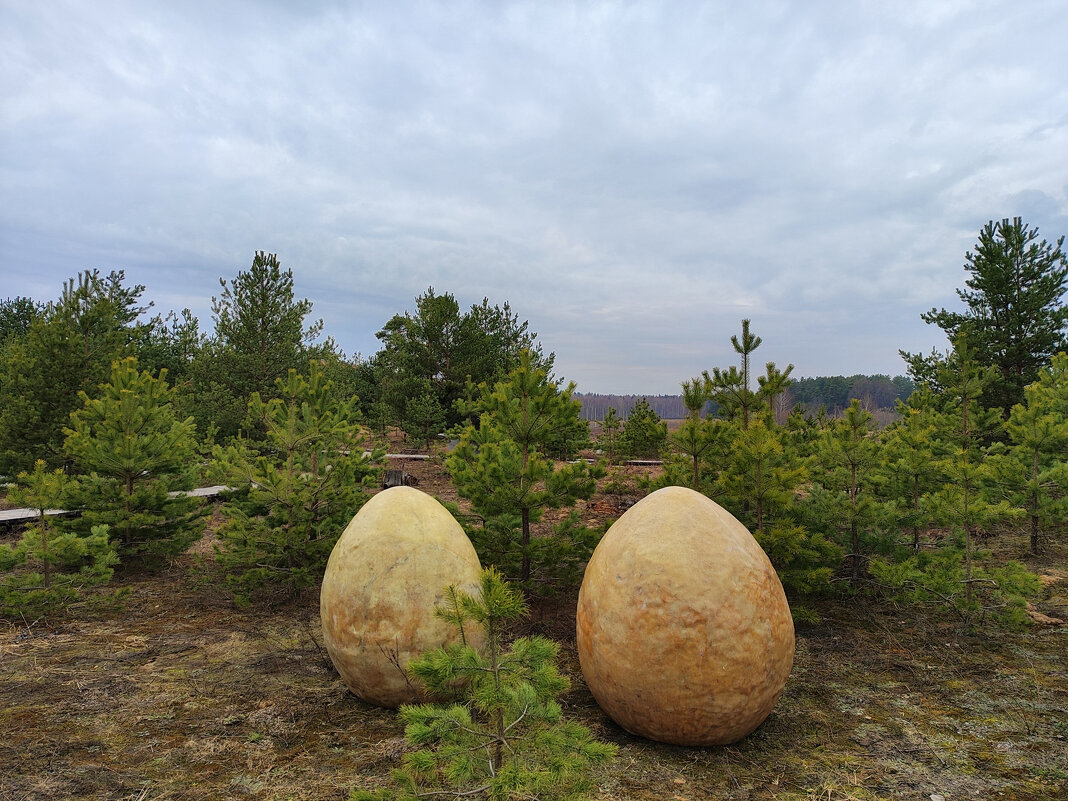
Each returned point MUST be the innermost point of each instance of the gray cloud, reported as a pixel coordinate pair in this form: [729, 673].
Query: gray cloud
[634, 178]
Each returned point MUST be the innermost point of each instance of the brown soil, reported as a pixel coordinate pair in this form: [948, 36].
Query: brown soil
[172, 693]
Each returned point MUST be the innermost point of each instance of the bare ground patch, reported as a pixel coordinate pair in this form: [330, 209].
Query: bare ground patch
[175, 694]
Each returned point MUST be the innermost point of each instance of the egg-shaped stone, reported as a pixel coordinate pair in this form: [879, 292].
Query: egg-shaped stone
[684, 633]
[385, 576]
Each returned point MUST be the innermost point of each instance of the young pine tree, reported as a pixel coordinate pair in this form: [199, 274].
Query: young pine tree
[956, 574]
[133, 451]
[844, 468]
[503, 736]
[731, 389]
[695, 443]
[909, 464]
[643, 434]
[302, 484]
[260, 334]
[502, 468]
[46, 568]
[611, 425]
[760, 479]
[424, 416]
[1032, 472]
[1015, 318]
[962, 503]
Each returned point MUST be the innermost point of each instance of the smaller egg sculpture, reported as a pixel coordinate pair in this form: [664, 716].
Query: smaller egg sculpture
[683, 630]
[384, 578]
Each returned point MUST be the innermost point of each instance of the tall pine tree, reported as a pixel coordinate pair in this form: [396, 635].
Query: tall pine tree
[260, 335]
[1015, 319]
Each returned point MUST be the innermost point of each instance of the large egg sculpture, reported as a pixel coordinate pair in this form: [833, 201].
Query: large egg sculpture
[385, 576]
[684, 633]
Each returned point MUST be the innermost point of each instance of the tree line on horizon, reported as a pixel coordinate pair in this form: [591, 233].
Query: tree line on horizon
[106, 412]
[833, 393]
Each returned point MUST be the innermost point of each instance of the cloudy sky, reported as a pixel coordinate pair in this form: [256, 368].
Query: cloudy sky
[635, 178]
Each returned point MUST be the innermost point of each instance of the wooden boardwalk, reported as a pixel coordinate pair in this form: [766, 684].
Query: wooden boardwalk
[13, 517]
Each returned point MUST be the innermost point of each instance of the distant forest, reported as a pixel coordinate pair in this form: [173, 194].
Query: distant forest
[832, 392]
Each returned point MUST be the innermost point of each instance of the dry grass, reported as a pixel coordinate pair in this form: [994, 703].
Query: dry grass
[177, 695]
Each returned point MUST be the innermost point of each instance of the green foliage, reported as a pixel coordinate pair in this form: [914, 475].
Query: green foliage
[804, 559]
[608, 442]
[1031, 472]
[843, 470]
[171, 343]
[440, 348]
[617, 483]
[731, 389]
[695, 443]
[16, 316]
[997, 593]
[259, 337]
[643, 434]
[424, 417]
[1015, 320]
[955, 574]
[835, 392]
[67, 348]
[46, 569]
[501, 465]
[557, 556]
[800, 433]
[699, 449]
[504, 737]
[133, 452]
[760, 480]
[962, 504]
[908, 469]
[299, 487]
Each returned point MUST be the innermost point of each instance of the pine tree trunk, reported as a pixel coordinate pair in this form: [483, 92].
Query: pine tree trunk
[1034, 505]
[44, 549]
[524, 570]
[497, 755]
[127, 533]
[854, 529]
[967, 547]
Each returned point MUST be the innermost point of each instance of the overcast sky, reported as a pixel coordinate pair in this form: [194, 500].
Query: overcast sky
[635, 178]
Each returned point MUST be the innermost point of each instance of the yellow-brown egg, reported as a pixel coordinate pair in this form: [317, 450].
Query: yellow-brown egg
[385, 576]
[684, 632]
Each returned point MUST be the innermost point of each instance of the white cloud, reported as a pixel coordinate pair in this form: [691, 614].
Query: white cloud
[634, 178]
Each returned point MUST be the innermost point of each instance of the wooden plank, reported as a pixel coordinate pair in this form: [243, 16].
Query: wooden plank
[12, 516]
[28, 515]
[202, 492]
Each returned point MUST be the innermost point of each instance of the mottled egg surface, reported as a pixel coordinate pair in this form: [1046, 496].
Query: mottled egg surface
[684, 633]
[385, 576]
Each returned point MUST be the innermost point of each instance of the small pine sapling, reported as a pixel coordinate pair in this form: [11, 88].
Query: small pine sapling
[136, 456]
[644, 434]
[502, 466]
[47, 569]
[503, 735]
[695, 444]
[909, 464]
[1030, 471]
[609, 439]
[956, 574]
[302, 485]
[844, 466]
